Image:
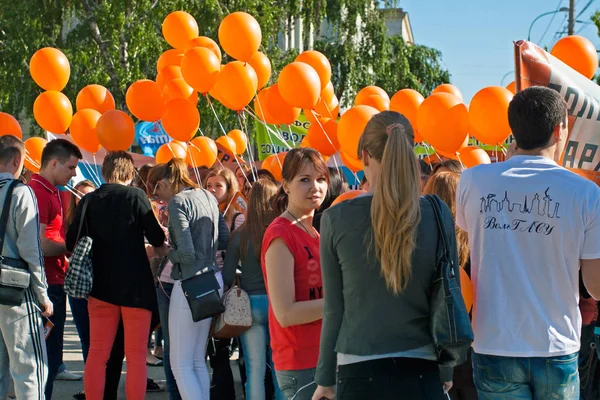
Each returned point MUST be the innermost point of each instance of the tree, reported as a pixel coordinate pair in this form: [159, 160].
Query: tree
[114, 43]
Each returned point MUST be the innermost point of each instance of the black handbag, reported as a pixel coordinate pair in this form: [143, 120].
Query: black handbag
[14, 273]
[202, 290]
[449, 319]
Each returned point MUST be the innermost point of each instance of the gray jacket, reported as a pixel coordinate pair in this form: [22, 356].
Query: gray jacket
[22, 238]
[197, 230]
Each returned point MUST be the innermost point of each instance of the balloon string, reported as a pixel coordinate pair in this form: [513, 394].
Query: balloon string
[140, 179]
[217, 155]
[249, 154]
[263, 113]
[250, 145]
[215, 114]
[273, 145]
[98, 173]
[73, 191]
[90, 171]
[328, 139]
[460, 161]
[269, 130]
[195, 166]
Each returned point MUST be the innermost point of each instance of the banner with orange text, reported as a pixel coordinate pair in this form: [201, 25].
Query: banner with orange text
[536, 67]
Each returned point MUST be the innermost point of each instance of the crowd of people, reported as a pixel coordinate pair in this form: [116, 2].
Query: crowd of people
[340, 296]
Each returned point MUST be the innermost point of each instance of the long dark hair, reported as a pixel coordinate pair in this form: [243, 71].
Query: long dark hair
[335, 188]
[73, 203]
[295, 161]
[260, 215]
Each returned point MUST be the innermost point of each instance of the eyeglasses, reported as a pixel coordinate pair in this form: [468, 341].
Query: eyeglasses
[154, 195]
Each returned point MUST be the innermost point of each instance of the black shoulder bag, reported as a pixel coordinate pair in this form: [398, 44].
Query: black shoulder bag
[202, 290]
[449, 319]
[14, 273]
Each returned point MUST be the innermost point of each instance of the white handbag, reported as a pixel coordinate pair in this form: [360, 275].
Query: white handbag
[237, 317]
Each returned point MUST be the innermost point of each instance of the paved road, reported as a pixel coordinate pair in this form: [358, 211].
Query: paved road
[73, 359]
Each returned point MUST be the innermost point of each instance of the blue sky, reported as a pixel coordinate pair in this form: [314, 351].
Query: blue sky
[476, 36]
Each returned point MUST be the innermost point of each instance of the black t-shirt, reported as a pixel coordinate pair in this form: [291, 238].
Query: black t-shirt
[118, 218]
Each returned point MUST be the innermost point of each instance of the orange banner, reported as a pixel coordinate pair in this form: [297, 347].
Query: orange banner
[536, 67]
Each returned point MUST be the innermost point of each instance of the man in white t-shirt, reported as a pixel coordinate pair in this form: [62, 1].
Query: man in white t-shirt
[531, 224]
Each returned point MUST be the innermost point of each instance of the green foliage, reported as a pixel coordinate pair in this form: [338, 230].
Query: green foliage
[114, 43]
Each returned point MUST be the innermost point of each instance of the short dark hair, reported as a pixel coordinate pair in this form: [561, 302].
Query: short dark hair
[61, 150]
[10, 147]
[533, 114]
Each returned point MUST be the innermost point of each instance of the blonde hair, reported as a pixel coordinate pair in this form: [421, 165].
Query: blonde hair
[175, 172]
[444, 185]
[395, 209]
[232, 189]
[260, 215]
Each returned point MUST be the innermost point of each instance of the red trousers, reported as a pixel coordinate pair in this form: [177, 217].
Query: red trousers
[104, 322]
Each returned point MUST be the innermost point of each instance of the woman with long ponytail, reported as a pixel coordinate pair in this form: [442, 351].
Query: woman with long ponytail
[378, 258]
[196, 230]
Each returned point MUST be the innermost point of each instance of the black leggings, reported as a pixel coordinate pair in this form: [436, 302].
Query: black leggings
[386, 378]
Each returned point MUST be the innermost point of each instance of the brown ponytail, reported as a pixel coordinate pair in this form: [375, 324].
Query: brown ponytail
[175, 172]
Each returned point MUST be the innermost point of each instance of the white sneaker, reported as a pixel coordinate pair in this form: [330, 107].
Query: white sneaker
[67, 375]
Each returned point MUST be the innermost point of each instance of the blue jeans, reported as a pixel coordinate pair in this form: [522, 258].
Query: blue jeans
[164, 299]
[257, 351]
[81, 317]
[297, 385]
[536, 378]
[54, 342]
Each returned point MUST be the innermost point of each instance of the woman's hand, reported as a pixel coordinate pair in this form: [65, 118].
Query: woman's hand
[324, 392]
[447, 386]
[162, 251]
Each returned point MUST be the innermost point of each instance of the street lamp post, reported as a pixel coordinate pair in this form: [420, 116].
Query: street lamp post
[562, 9]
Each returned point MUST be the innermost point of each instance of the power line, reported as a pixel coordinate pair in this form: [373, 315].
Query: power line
[552, 20]
[585, 8]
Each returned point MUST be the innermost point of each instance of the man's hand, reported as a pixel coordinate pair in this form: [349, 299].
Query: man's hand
[47, 308]
[323, 392]
[447, 386]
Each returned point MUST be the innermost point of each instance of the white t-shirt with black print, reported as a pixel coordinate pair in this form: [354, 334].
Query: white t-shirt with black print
[529, 223]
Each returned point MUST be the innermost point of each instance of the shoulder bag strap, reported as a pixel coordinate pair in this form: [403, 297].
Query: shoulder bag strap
[85, 205]
[6, 211]
[442, 231]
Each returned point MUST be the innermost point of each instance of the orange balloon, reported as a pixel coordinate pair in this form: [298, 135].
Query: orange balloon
[311, 116]
[202, 151]
[10, 126]
[262, 67]
[96, 97]
[169, 57]
[208, 43]
[322, 136]
[279, 109]
[260, 107]
[115, 130]
[179, 28]
[328, 109]
[179, 89]
[53, 111]
[200, 68]
[167, 74]
[305, 142]
[168, 151]
[512, 87]
[407, 103]
[369, 91]
[443, 122]
[83, 129]
[213, 92]
[377, 102]
[145, 100]
[228, 143]
[236, 85]
[471, 156]
[448, 88]
[240, 35]
[320, 63]
[33, 153]
[276, 166]
[578, 53]
[240, 139]
[350, 194]
[328, 93]
[179, 142]
[300, 85]
[352, 163]
[266, 163]
[488, 114]
[181, 120]
[351, 127]
[50, 69]
[466, 288]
